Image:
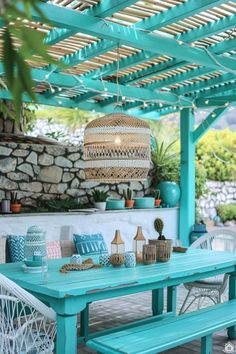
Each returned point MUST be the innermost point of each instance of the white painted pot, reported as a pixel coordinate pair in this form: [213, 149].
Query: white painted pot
[100, 205]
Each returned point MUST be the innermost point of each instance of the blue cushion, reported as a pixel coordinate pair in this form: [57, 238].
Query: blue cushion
[90, 245]
[16, 247]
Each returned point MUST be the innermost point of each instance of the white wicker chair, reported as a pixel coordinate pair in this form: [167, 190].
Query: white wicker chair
[27, 326]
[211, 288]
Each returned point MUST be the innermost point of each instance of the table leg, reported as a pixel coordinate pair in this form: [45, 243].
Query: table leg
[84, 323]
[157, 301]
[66, 341]
[232, 296]
[171, 299]
[206, 345]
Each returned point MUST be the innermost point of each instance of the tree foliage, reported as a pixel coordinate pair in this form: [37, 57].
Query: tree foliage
[216, 152]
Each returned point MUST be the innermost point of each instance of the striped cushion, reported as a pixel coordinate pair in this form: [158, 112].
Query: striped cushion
[53, 250]
[16, 247]
[93, 244]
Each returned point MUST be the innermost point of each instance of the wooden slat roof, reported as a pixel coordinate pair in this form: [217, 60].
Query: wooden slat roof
[201, 29]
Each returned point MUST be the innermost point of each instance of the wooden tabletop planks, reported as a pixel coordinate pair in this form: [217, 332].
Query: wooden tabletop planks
[83, 282]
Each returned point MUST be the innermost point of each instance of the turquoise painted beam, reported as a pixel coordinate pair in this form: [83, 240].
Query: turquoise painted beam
[101, 10]
[215, 101]
[208, 122]
[69, 81]
[107, 8]
[187, 176]
[201, 85]
[189, 36]
[178, 78]
[172, 64]
[132, 37]
[219, 90]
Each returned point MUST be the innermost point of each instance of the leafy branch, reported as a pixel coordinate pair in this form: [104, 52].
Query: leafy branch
[22, 45]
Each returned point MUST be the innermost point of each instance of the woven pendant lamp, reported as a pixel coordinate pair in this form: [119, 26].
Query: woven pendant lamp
[117, 149]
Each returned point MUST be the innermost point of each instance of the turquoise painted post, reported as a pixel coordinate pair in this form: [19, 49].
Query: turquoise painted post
[187, 176]
[66, 340]
[232, 295]
[157, 301]
[206, 345]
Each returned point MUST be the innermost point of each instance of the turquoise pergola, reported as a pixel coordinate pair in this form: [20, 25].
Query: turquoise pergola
[174, 55]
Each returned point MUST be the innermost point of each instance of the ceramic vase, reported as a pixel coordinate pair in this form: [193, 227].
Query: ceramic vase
[130, 259]
[169, 192]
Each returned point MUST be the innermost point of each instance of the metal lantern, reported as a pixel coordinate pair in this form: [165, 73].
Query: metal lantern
[138, 242]
[117, 148]
[117, 244]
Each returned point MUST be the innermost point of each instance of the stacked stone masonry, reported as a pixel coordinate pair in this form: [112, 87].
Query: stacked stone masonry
[51, 171]
[217, 193]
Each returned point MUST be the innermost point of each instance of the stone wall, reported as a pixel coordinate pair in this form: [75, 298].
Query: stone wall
[217, 193]
[50, 171]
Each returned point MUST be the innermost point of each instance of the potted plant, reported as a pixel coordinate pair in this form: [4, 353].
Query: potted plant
[156, 194]
[166, 167]
[128, 196]
[100, 198]
[199, 228]
[163, 245]
[15, 204]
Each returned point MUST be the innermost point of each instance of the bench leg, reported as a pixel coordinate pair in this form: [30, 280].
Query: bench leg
[171, 299]
[157, 301]
[84, 322]
[206, 345]
[232, 295]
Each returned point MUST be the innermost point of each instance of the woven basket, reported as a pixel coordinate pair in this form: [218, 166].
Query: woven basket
[163, 249]
[117, 148]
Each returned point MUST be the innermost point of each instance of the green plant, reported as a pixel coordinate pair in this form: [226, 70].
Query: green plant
[159, 226]
[14, 198]
[226, 211]
[128, 194]
[99, 196]
[58, 204]
[155, 193]
[22, 44]
[200, 180]
[165, 162]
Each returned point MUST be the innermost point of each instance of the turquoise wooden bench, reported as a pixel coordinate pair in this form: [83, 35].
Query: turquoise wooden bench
[171, 332]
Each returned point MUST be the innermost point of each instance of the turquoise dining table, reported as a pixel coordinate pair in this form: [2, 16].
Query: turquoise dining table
[69, 294]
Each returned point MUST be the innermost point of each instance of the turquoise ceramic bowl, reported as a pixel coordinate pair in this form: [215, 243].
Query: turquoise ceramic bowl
[114, 204]
[144, 203]
[32, 263]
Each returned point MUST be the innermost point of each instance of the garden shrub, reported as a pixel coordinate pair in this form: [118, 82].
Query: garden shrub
[216, 152]
[226, 211]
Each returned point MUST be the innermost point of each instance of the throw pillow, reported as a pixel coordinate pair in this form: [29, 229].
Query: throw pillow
[53, 250]
[16, 247]
[89, 245]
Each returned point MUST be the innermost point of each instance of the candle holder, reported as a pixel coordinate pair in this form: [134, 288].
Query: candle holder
[149, 254]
